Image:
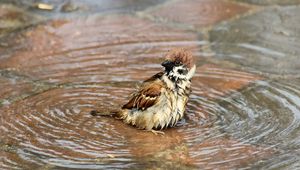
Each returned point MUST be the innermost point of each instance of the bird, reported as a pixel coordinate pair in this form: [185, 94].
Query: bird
[160, 101]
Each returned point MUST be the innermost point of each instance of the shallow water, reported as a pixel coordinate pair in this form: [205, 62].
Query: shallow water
[243, 113]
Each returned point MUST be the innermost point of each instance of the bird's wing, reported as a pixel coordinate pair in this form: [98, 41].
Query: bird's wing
[146, 97]
[154, 77]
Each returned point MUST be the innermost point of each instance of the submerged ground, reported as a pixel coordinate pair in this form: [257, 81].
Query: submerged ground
[60, 59]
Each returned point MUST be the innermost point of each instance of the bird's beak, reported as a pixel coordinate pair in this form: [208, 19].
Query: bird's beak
[168, 64]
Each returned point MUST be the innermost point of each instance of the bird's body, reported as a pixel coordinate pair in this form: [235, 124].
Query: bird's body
[161, 100]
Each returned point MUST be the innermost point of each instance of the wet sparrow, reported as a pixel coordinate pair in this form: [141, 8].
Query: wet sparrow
[161, 100]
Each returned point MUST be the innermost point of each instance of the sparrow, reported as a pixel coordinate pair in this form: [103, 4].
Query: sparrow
[161, 100]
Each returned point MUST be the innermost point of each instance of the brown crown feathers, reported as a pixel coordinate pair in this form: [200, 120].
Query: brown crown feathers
[181, 56]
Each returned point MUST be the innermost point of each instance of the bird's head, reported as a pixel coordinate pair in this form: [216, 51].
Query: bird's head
[179, 64]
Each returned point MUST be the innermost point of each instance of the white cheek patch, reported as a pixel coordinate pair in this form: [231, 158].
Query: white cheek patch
[191, 72]
[174, 73]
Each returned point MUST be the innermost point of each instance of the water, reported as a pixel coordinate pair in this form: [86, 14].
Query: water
[243, 113]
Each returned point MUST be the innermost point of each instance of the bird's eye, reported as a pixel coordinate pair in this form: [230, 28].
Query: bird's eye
[177, 63]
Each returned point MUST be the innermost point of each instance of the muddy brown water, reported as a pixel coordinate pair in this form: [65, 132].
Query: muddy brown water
[240, 114]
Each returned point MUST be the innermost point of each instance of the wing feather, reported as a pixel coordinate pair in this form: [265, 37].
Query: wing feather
[146, 97]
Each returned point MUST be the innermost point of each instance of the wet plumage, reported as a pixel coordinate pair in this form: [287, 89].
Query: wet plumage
[161, 100]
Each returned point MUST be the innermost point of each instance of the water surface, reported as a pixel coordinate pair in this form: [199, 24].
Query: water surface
[244, 110]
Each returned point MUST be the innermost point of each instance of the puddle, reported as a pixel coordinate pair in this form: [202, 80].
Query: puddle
[242, 113]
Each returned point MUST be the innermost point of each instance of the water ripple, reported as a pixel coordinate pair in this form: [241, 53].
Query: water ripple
[234, 118]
